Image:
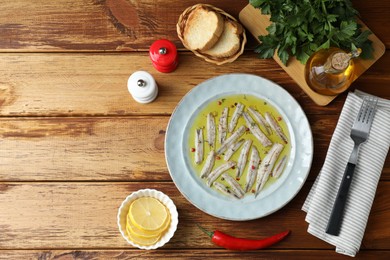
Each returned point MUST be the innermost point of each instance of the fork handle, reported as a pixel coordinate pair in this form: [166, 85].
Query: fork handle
[336, 216]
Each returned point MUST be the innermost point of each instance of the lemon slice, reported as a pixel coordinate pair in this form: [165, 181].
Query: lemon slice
[148, 214]
[143, 241]
[131, 228]
[142, 232]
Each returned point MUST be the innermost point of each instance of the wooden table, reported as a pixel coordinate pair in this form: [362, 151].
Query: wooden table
[74, 143]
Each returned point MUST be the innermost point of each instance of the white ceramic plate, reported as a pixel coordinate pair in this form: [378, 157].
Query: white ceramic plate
[212, 202]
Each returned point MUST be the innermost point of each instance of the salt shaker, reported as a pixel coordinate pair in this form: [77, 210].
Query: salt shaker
[163, 54]
[142, 87]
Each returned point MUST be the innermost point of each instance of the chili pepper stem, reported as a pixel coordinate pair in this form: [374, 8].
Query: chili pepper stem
[209, 233]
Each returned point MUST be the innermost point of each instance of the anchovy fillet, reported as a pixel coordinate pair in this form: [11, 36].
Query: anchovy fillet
[198, 146]
[266, 166]
[211, 130]
[252, 168]
[235, 186]
[279, 167]
[218, 171]
[236, 115]
[256, 130]
[209, 164]
[260, 119]
[275, 126]
[222, 188]
[222, 126]
[243, 158]
[232, 149]
[229, 141]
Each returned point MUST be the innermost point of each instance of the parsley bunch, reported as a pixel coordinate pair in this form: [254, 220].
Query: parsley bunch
[301, 27]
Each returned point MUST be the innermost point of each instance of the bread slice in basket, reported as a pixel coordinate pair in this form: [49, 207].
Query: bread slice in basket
[229, 43]
[203, 29]
[225, 53]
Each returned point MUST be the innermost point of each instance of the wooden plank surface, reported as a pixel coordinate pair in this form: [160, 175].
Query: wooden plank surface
[107, 148]
[92, 25]
[96, 84]
[83, 215]
[74, 144]
[184, 254]
[119, 25]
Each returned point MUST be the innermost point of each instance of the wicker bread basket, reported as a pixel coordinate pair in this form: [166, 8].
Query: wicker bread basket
[182, 23]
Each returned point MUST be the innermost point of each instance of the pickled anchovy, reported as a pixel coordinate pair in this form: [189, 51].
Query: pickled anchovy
[260, 119]
[266, 166]
[218, 171]
[279, 167]
[243, 158]
[222, 188]
[222, 126]
[211, 130]
[198, 146]
[234, 185]
[232, 149]
[236, 115]
[252, 168]
[256, 130]
[276, 127]
[209, 164]
[229, 141]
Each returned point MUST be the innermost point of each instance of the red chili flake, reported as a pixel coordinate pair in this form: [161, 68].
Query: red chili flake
[279, 118]
[193, 150]
[237, 179]
[253, 167]
[233, 167]
[219, 102]
[253, 191]
[247, 129]
[217, 158]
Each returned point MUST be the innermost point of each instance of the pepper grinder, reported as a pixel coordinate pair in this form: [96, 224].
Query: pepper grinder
[163, 54]
[142, 87]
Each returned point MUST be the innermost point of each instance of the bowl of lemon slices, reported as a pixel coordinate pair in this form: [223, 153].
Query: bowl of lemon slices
[147, 219]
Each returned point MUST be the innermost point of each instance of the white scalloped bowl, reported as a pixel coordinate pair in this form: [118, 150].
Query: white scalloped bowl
[124, 208]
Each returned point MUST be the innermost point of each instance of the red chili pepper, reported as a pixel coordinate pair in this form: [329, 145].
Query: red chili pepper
[233, 243]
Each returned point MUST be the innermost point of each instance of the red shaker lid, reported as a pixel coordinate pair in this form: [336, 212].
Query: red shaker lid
[163, 54]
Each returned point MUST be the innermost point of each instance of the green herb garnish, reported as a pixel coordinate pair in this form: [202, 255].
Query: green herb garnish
[300, 28]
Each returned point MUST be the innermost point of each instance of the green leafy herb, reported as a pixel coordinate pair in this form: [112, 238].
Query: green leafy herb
[300, 28]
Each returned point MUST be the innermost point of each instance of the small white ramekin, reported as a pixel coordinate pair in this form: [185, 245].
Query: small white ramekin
[124, 209]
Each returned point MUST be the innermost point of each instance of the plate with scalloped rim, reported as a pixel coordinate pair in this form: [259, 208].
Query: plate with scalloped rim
[187, 179]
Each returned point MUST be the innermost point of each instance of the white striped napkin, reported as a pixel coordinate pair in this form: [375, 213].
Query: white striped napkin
[372, 155]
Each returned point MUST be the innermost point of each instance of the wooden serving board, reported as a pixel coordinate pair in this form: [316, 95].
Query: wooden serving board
[257, 23]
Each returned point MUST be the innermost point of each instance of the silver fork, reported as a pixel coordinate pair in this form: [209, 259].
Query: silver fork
[359, 134]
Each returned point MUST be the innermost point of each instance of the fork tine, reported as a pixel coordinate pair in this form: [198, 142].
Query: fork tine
[373, 106]
[362, 111]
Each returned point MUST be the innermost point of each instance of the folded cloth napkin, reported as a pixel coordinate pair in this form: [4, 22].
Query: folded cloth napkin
[372, 155]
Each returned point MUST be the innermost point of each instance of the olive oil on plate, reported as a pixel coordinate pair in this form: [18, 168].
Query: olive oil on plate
[216, 107]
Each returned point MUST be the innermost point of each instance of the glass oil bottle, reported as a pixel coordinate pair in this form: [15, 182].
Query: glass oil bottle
[330, 71]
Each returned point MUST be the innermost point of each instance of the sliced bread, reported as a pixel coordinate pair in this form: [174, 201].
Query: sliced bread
[203, 29]
[229, 43]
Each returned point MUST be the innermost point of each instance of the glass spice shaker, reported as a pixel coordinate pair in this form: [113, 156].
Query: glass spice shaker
[330, 71]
